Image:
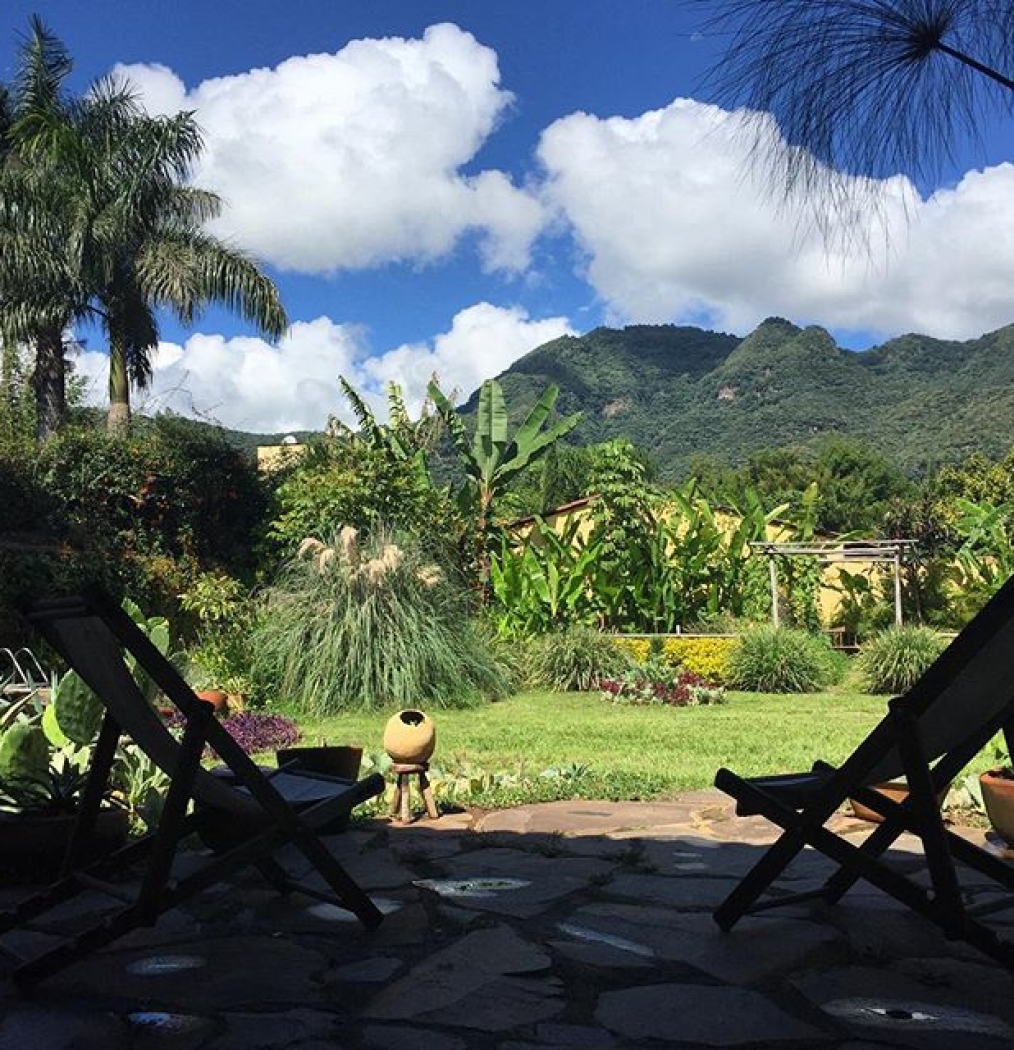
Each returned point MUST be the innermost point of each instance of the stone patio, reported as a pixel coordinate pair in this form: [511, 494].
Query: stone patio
[565, 925]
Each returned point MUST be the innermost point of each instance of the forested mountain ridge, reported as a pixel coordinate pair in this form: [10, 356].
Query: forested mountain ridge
[682, 392]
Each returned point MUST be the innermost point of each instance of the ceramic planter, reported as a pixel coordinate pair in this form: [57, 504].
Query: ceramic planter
[340, 762]
[32, 845]
[410, 737]
[218, 698]
[896, 791]
[998, 798]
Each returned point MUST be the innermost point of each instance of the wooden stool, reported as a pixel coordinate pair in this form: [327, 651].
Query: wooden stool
[401, 808]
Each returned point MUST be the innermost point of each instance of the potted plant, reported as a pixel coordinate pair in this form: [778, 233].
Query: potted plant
[44, 754]
[996, 792]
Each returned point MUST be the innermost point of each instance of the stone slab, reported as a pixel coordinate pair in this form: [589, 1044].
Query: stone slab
[549, 879]
[679, 891]
[238, 972]
[689, 1013]
[758, 950]
[49, 1026]
[480, 981]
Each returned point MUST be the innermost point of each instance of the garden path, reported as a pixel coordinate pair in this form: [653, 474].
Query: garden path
[563, 925]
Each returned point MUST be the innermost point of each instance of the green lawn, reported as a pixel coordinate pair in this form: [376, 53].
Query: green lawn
[629, 752]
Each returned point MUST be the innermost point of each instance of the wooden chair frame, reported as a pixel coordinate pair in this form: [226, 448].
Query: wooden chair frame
[929, 739]
[264, 811]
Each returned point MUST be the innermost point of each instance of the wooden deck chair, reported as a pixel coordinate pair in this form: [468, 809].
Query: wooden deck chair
[260, 812]
[928, 736]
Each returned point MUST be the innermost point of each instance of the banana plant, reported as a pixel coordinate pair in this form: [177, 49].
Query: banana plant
[491, 458]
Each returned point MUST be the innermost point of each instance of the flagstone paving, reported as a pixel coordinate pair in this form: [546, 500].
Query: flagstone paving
[549, 927]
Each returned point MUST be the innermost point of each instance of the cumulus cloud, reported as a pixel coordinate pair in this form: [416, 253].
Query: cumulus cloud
[673, 225]
[248, 384]
[354, 159]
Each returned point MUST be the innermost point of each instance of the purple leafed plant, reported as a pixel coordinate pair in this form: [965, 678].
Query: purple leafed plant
[254, 731]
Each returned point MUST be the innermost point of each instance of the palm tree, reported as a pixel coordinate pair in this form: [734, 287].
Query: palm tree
[98, 220]
[863, 87]
[147, 249]
[38, 299]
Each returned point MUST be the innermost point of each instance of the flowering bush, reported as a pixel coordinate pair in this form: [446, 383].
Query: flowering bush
[704, 655]
[678, 690]
[254, 731]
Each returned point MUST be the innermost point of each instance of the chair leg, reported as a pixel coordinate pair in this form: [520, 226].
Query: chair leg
[405, 786]
[344, 886]
[844, 879]
[427, 794]
[758, 879]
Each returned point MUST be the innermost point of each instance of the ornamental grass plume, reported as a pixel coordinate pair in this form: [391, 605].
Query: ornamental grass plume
[376, 624]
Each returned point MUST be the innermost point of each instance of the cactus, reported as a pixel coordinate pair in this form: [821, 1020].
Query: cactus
[24, 754]
[156, 628]
[76, 710]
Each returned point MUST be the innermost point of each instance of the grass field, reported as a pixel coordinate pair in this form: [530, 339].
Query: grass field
[628, 752]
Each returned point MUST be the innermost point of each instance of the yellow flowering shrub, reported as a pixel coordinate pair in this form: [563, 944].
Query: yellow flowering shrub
[704, 655]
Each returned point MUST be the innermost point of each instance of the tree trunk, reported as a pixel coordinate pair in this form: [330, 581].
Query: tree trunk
[48, 382]
[118, 418]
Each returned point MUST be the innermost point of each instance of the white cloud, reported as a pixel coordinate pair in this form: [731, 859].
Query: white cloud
[354, 159]
[484, 341]
[674, 225]
[248, 384]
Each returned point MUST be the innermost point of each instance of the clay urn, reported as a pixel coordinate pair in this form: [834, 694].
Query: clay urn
[998, 798]
[410, 737]
[218, 698]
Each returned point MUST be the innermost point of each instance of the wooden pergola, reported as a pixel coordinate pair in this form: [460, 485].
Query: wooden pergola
[838, 553]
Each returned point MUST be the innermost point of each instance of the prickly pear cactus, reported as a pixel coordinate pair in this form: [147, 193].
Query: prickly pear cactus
[24, 754]
[77, 711]
[157, 630]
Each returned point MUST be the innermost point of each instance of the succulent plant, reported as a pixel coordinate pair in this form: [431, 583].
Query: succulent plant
[75, 710]
[24, 753]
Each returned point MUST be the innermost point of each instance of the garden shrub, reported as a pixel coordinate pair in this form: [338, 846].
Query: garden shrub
[372, 625]
[707, 656]
[782, 660]
[577, 659]
[894, 660]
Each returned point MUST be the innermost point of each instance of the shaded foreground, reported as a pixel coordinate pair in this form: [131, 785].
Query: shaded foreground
[560, 925]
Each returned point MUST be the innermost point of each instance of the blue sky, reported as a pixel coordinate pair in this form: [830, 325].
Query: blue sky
[440, 186]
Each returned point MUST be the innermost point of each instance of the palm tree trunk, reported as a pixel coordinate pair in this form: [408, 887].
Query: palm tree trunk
[48, 382]
[118, 418]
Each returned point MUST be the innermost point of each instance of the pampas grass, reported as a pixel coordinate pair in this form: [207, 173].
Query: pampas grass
[364, 626]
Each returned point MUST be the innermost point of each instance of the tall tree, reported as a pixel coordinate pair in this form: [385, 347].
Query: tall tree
[98, 219]
[864, 87]
[38, 299]
[148, 246]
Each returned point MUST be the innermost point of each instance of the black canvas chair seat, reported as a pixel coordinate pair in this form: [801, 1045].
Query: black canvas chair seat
[927, 738]
[248, 814]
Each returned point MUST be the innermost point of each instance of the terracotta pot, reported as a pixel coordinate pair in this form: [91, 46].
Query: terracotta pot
[896, 791]
[340, 762]
[218, 698]
[410, 737]
[998, 798]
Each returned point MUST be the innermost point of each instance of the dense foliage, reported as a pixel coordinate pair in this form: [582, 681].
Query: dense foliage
[143, 514]
[681, 393]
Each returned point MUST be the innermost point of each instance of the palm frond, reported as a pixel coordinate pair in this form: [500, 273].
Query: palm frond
[862, 89]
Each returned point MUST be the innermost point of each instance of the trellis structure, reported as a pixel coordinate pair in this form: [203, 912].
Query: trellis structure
[838, 553]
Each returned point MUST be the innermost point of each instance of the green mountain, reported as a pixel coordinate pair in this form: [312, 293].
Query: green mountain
[679, 392]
